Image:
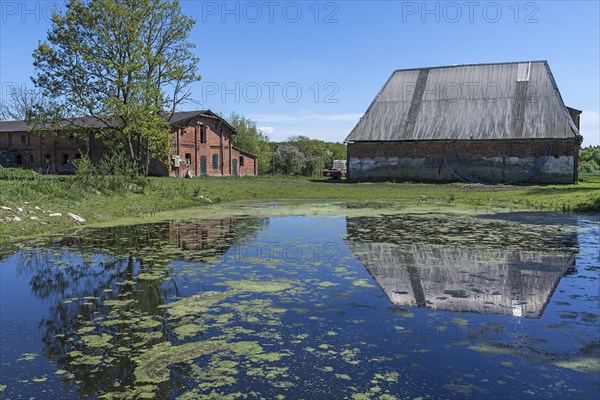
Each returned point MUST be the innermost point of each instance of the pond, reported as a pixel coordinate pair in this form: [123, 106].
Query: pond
[359, 305]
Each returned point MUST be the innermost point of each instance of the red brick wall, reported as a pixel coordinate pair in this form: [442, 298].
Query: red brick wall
[250, 166]
[33, 151]
[481, 148]
[424, 160]
[185, 140]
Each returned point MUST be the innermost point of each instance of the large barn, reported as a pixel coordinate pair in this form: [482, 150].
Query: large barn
[481, 123]
[202, 145]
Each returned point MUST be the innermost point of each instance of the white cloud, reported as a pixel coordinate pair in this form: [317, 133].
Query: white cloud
[266, 129]
[329, 127]
[589, 127]
[303, 117]
[334, 117]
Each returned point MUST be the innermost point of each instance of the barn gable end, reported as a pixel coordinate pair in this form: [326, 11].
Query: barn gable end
[487, 123]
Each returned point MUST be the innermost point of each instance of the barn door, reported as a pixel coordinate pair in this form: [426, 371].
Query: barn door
[234, 172]
[202, 166]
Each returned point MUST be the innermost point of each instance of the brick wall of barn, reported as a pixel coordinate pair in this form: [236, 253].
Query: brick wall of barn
[47, 154]
[56, 155]
[192, 146]
[486, 160]
[246, 163]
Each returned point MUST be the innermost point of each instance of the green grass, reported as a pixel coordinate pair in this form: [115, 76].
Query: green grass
[65, 194]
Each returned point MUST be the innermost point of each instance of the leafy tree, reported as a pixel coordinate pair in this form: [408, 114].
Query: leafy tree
[337, 150]
[122, 63]
[289, 160]
[589, 159]
[250, 139]
[319, 154]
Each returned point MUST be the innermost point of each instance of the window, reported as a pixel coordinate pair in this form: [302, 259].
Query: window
[188, 158]
[77, 156]
[241, 161]
[215, 161]
[18, 159]
[65, 159]
[29, 157]
[203, 134]
[47, 159]
[23, 139]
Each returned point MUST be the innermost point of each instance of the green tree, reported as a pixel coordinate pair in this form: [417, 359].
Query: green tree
[121, 63]
[319, 154]
[250, 139]
[589, 159]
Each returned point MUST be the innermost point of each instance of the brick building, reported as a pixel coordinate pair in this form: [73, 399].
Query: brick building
[484, 123]
[201, 146]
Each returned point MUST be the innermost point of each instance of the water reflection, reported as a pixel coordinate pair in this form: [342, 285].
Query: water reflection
[240, 307]
[109, 285]
[500, 272]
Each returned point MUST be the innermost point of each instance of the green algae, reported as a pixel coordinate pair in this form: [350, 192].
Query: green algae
[27, 357]
[459, 321]
[79, 358]
[343, 376]
[326, 284]
[187, 330]
[349, 356]
[118, 303]
[362, 283]
[85, 329]
[590, 365]
[195, 304]
[259, 287]
[467, 389]
[102, 340]
[245, 347]
[153, 365]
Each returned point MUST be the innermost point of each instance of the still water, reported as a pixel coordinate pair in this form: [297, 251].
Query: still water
[396, 306]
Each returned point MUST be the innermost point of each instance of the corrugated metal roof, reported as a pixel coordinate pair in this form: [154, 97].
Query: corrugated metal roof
[478, 101]
[88, 122]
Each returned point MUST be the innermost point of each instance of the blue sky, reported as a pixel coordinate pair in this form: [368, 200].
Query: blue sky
[312, 68]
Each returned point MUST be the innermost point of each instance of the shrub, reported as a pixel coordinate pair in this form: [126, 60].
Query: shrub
[17, 173]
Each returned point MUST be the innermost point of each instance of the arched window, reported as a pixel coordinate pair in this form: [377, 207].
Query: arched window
[215, 161]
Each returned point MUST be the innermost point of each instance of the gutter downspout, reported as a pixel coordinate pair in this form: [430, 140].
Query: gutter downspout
[196, 148]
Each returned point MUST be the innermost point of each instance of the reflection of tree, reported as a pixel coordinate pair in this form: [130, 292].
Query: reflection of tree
[105, 287]
[466, 265]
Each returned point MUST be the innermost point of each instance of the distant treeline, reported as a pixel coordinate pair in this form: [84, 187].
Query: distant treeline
[589, 159]
[299, 155]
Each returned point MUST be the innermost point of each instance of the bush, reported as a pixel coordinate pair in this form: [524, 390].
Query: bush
[17, 173]
[588, 166]
[115, 172]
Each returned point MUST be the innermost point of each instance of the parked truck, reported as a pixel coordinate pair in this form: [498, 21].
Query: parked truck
[338, 170]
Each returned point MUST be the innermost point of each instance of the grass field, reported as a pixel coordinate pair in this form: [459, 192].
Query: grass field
[32, 198]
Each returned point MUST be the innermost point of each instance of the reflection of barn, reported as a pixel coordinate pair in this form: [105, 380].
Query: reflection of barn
[203, 234]
[457, 278]
[212, 237]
